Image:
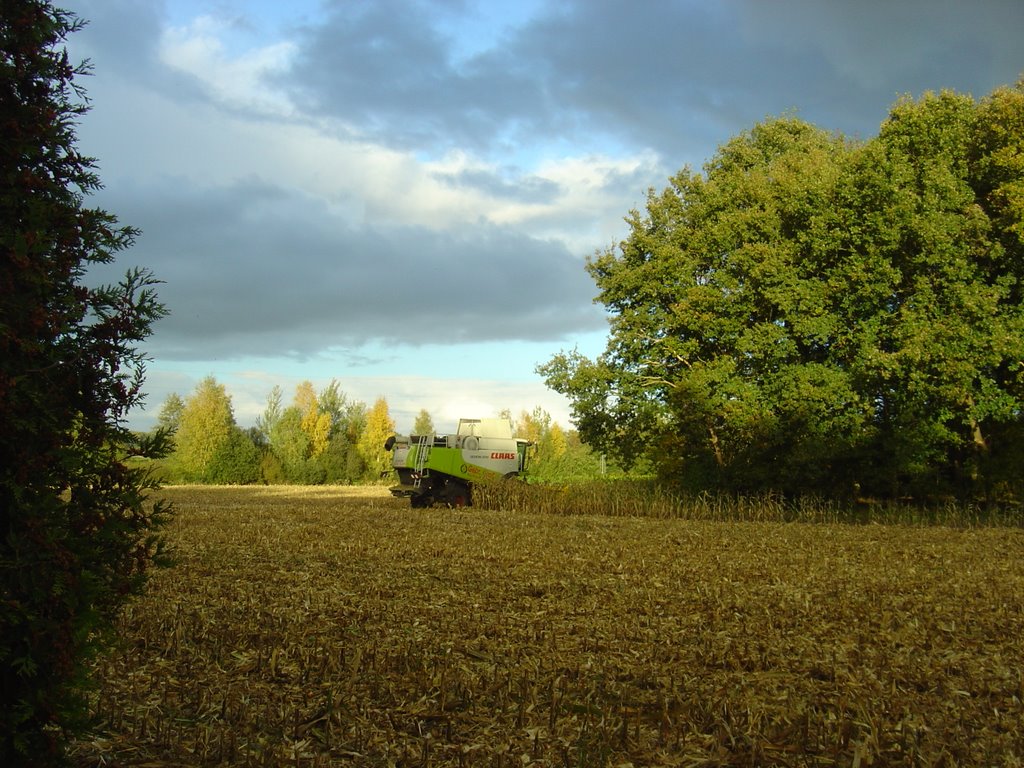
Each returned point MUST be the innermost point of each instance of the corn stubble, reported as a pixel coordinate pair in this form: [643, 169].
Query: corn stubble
[337, 627]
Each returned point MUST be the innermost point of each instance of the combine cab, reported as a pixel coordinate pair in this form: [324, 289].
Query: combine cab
[442, 469]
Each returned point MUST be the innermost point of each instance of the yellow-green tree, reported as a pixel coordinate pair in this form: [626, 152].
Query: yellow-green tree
[315, 422]
[549, 443]
[204, 429]
[533, 426]
[379, 427]
[556, 455]
[558, 440]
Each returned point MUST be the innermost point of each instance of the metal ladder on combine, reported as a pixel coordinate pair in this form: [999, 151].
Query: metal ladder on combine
[422, 454]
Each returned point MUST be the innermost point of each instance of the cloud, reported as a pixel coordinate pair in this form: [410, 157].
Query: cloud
[243, 81]
[674, 77]
[388, 68]
[256, 269]
[359, 180]
[886, 48]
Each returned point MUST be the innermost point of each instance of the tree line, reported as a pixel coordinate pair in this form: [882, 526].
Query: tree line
[325, 437]
[813, 314]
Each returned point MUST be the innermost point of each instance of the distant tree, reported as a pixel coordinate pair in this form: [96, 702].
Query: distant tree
[204, 430]
[356, 416]
[76, 531]
[256, 437]
[812, 314]
[316, 423]
[566, 459]
[558, 441]
[170, 413]
[310, 440]
[271, 414]
[580, 462]
[533, 426]
[236, 462]
[290, 444]
[341, 461]
[334, 403]
[379, 426]
[335, 460]
[548, 445]
[424, 424]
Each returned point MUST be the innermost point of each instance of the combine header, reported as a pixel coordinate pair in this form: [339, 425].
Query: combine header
[442, 469]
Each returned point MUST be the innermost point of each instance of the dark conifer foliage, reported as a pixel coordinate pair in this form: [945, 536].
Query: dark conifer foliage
[76, 532]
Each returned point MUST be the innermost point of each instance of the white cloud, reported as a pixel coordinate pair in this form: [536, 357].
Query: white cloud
[589, 212]
[240, 81]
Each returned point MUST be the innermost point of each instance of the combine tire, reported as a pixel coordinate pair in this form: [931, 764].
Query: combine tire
[456, 494]
[421, 501]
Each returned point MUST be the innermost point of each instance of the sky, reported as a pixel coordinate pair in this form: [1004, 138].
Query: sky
[402, 196]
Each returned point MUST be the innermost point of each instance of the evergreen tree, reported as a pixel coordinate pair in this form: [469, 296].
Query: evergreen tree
[76, 532]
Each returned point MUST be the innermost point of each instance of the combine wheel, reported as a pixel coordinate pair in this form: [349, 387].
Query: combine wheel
[457, 494]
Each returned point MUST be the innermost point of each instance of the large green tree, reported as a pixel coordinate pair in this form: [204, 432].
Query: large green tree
[811, 314]
[76, 533]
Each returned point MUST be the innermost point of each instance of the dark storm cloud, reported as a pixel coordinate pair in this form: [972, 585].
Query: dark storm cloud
[122, 33]
[121, 40]
[673, 76]
[385, 67]
[259, 271]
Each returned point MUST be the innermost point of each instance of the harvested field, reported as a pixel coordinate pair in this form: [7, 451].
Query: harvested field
[337, 627]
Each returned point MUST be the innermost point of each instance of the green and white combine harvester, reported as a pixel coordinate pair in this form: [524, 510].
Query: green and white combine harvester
[442, 469]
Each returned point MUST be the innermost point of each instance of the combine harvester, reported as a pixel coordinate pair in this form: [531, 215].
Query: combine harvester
[442, 469]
